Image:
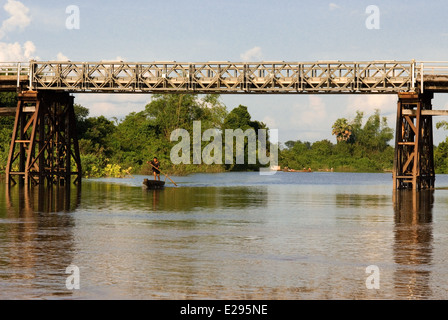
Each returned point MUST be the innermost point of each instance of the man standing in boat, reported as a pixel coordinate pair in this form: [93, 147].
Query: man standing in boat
[156, 168]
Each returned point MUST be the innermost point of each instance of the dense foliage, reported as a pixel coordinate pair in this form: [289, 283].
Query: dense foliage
[363, 148]
[140, 136]
[112, 147]
[441, 151]
[9, 100]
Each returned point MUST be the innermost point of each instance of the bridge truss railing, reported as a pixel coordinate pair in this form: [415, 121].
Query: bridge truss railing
[14, 71]
[432, 75]
[432, 68]
[224, 76]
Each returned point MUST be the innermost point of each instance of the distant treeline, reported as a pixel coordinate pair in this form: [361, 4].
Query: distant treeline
[113, 147]
[360, 148]
[132, 142]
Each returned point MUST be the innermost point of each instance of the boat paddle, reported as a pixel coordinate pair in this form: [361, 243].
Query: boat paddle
[163, 173]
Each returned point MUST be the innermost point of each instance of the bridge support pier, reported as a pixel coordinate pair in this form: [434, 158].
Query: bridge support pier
[414, 155]
[44, 140]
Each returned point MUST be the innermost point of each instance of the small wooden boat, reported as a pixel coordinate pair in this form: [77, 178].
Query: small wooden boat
[153, 184]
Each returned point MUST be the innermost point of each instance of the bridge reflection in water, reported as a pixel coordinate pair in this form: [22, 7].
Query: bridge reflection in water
[413, 245]
[43, 198]
[38, 241]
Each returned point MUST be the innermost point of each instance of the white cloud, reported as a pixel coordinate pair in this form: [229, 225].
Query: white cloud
[387, 104]
[270, 122]
[28, 49]
[308, 120]
[333, 6]
[112, 105]
[117, 58]
[18, 19]
[314, 112]
[17, 52]
[61, 57]
[253, 54]
[297, 117]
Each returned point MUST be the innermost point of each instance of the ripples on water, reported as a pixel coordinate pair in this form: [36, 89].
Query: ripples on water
[226, 236]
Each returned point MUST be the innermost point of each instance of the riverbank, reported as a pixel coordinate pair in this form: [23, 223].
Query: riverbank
[183, 170]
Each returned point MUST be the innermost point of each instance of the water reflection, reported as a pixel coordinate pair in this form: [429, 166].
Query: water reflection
[36, 233]
[45, 199]
[255, 241]
[194, 198]
[105, 196]
[353, 200]
[413, 245]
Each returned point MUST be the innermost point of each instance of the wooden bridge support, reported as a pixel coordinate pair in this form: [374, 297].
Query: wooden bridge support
[44, 140]
[414, 155]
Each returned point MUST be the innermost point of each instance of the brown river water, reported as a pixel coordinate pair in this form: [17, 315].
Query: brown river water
[226, 236]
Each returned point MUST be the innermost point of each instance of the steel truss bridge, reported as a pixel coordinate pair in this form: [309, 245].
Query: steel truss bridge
[44, 139]
[227, 77]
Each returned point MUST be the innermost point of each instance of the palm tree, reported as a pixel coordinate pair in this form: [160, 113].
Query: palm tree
[342, 130]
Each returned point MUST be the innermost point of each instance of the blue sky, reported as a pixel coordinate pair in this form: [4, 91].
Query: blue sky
[200, 30]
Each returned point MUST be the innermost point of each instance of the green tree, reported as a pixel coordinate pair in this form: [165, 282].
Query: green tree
[168, 112]
[6, 127]
[97, 137]
[375, 135]
[136, 141]
[7, 100]
[359, 147]
[322, 149]
[441, 157]
[81, 115]
[441, 151]
[442, 124]
[240, 118]
[342, 130]
[214, 110]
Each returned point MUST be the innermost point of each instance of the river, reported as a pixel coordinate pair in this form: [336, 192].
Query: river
[226, 236]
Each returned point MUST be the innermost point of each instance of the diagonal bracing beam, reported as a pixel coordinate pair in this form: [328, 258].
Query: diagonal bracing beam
[44, 141]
